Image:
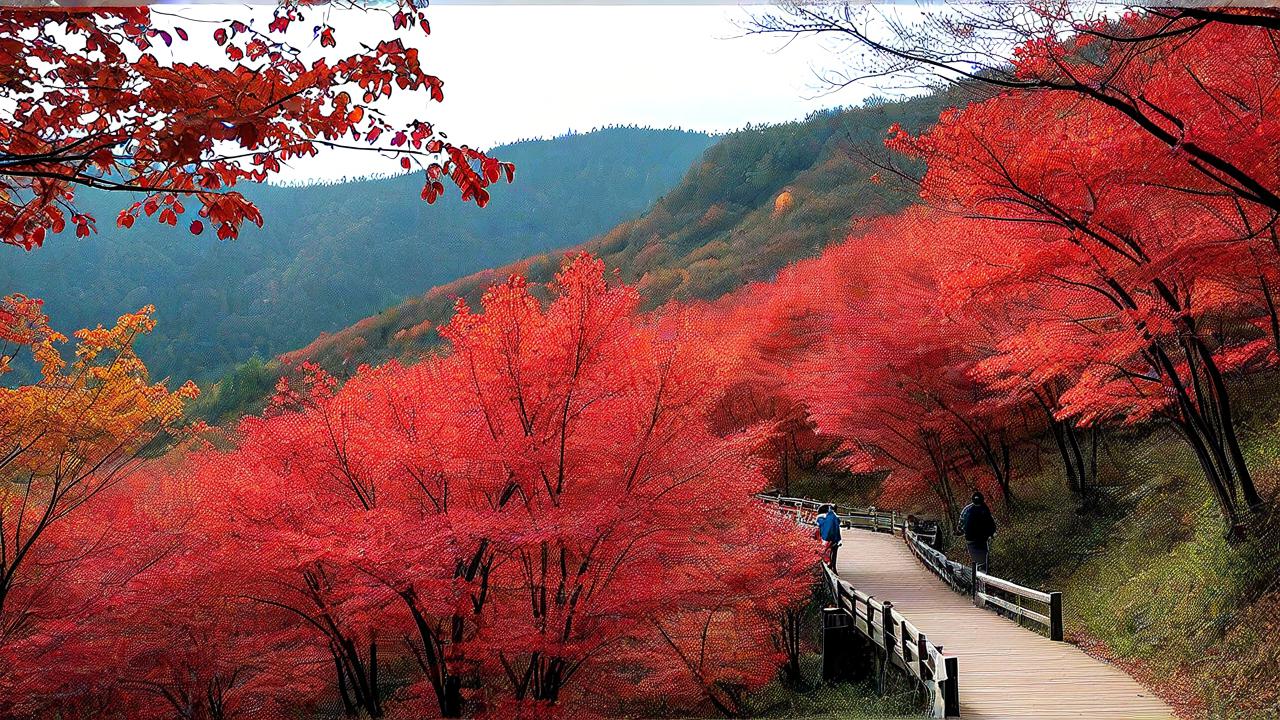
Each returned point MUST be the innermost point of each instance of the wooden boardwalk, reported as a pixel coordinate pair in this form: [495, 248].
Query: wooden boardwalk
[1005, 671]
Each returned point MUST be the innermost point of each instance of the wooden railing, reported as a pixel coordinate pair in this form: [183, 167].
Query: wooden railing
[887, 521]
[1011, 599]
[958, 575]
[988, 591]
[900, 643]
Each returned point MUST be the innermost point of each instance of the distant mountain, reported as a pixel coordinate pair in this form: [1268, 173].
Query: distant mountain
[757, 200]
[332, 254]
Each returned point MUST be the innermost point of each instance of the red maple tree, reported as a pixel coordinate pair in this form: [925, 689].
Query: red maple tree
[519, 520]
[104, 99]
[1120, 238]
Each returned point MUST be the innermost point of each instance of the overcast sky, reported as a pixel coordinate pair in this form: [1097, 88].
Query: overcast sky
[513, 72]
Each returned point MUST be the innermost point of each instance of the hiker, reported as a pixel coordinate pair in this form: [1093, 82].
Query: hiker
[978, 526]
[829, 531]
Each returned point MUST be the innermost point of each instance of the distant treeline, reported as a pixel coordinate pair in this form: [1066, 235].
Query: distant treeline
[758, 200]
[331, 253]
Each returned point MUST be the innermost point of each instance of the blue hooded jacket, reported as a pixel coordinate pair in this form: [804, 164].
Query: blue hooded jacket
[829, 526]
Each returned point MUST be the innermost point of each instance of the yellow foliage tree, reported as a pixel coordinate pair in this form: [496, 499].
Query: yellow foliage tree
[782, 203]
[68, 436]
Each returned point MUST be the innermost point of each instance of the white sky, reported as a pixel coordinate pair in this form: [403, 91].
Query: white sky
[582, 66]
[513, 72]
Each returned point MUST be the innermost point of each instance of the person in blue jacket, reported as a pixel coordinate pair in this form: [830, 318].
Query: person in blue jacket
[829, 531]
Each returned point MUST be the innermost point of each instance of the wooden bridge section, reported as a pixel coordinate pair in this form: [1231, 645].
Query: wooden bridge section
[976, 634]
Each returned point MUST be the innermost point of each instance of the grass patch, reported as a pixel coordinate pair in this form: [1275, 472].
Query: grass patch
[1148, 574]
[838, 701]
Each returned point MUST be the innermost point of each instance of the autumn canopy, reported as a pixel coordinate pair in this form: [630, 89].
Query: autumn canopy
[102, 101]
[553, 515]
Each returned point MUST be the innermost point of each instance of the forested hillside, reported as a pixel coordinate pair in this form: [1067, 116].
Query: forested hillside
[537, 492]
[331, 254]
[759, 199]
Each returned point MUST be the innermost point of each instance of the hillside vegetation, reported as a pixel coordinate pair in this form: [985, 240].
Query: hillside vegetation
[757, 200]
[331, 254]
[557, 515]
[1148, 578]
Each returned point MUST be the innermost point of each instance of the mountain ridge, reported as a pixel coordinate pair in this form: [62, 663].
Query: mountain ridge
[332, 253]
[754, 202]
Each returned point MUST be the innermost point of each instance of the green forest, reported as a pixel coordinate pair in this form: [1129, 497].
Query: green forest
[719, 228]
[331, 254]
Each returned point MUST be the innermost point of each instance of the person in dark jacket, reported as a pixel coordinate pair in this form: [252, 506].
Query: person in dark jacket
[829, 531]
[978, 526]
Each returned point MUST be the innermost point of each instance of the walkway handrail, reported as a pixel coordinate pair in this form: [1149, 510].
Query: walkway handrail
[958, 575]
[866, 518]
[980, 585]
[901, 642]
[964, 579]
[1012, 603]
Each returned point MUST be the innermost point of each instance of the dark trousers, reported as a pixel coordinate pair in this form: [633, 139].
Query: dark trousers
[833, 547]
[978, 553]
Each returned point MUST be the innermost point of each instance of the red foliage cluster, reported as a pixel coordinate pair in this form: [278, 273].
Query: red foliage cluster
[100, 102]
[1076, 268]
[544, 521]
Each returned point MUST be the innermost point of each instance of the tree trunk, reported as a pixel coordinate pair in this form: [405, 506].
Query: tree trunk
[790, 623]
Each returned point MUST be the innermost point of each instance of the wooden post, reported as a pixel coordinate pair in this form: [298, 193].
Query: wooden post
[922, 654]
[1055, 616]
[886, 634]
[887, 628]
[846, 653]
[906, 654]
[951, 689]
[836, 639]
[871, 628]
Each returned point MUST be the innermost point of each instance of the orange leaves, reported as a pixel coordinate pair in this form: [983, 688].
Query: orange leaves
[782, 203]
[69, 437]
[22, 320]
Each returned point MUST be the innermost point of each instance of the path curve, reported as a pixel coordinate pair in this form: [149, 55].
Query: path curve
[1005, 671]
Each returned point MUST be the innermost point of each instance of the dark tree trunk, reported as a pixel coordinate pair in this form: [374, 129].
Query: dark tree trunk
[1272, 314]
[790, 625]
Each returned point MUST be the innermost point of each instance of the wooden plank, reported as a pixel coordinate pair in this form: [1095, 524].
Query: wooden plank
[1001, 670]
